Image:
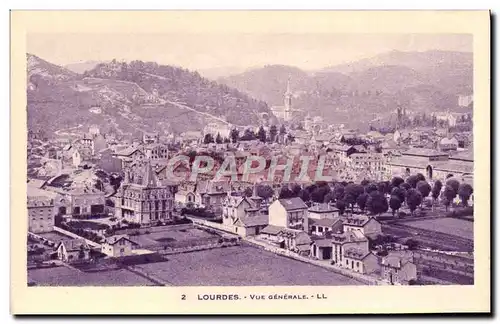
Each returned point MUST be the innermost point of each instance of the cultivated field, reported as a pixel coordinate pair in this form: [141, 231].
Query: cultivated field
[241, 266]
[171, 236]
[63, 276]
[55, 236]
[451, 226]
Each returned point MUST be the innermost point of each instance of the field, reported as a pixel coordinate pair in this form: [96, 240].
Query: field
[63, 276]
[55, 236]
[451, 226]
[241, 266]
[171, 235]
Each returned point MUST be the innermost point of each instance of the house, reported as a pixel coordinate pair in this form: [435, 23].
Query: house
[251, 225]
[398, 268]
[367, 226]
[431, 163]
[320, 227]
[212, 194]
[186, 196]
[75, 250]
[321, 248]
[143, 198]
[293, 240]
[320, 211]
[289, 213]
[234, 208]
[129, 155]
[341, 242]
[41, 209]
[361, 261]
[118, 245]
[448, 144]
[80, 202]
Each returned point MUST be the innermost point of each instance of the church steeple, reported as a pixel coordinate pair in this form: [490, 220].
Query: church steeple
[288, 100]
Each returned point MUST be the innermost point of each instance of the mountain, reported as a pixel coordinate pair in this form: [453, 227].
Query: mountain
[220, 72]
[450, 70]
[358, 92]
[81, 67]
[269, 83]
[127, 98]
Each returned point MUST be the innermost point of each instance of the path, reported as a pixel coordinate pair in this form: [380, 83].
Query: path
[187, 107]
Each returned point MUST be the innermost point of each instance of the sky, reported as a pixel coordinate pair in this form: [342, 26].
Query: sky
[207, 51]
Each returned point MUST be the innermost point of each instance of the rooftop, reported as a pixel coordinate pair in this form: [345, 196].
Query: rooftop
[293, 203]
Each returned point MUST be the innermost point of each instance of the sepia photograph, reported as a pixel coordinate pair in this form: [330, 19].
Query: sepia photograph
[260, 159]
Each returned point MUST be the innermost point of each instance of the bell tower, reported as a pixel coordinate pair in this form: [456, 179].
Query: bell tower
[288, 101]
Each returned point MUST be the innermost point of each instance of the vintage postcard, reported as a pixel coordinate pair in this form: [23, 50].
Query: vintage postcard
[250, 162]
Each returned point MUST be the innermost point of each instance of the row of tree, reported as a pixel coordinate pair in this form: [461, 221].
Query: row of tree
[378, 197]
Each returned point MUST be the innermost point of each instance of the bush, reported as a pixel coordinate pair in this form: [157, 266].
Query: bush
[147, 232]
[382, 253]
[461, 212]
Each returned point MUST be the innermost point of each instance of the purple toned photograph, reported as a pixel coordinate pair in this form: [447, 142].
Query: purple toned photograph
[323, 159]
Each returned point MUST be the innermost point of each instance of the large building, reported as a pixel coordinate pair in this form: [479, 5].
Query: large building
[142, 198]
[432, 164]
[41, 210]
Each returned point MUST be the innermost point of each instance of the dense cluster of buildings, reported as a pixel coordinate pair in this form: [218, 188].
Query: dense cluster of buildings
[137, 184]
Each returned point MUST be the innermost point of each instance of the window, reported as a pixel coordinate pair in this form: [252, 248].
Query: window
[357, 264]
[352, 264]
[347, 262]
[122, 250]
[314, 228]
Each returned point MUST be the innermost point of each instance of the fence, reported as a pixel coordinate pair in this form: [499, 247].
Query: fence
[73, 235]
[153, 229]
[225, 228]
[289, 254]
[451, 263]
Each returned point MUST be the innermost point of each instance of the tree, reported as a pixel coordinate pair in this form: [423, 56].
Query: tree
[248, 135]
[262, 134]
[282, 129]
[424, 188]
[365, 182]
[395, 204]
[341, 206]
[396, 182]
[329, 197]
[412, 181]
[436, 190]
[296, 189]
[448, 195]
[384, 187]
[318, 195]
[361, 201]
[376, 203]
[400, 193]
[420, 177]
[248, 192]
[405, 186]
[338, 192]
[352, 192]
[208, 138]
[304, 195]
[218, 139]
[265, 191]
[235, 135]
[371, 187]
[273, 132]
[464, 192]
[454, 184]
[413, 199]
[285, 193]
